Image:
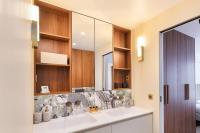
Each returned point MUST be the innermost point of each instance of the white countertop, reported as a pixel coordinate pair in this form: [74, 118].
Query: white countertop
[85, 121]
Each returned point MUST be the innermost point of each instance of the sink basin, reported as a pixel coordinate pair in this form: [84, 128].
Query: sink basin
[71, 121]
[118, 111]
[80, 119]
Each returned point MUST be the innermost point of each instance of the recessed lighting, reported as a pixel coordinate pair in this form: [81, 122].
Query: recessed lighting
[74, 44]
[82, 33]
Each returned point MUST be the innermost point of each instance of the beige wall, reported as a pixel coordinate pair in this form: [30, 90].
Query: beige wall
[16, 68]
[146, 73]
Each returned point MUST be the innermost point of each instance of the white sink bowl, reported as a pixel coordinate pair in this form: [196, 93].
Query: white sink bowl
[118, 111]
[71, 121]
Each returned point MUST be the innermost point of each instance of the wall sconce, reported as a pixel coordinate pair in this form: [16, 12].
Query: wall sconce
[34, 17]
[140, 49]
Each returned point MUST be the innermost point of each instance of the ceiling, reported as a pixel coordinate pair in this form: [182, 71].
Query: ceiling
[125, 13]
[191, 29]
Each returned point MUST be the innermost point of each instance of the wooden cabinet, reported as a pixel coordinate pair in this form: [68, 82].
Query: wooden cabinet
[122, 58]
[82, 68]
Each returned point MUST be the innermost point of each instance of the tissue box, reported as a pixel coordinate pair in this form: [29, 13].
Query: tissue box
[53, 58]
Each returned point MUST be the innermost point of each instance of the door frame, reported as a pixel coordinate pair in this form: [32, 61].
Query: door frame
[161, 69]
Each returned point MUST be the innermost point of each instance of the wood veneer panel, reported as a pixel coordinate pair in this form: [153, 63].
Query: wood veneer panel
[53, 22]
[82, 68]
[57, 78]
[122, 59]
[122, 77]
[121, 38]
[179, 58]
[52, 46]
[77, 72]
[88, 68]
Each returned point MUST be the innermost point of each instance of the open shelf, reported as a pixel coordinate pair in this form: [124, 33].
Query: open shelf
[122, 58]
[53, 36]
[49, 64]
[121, 48]
[58, 92]
[123, 69]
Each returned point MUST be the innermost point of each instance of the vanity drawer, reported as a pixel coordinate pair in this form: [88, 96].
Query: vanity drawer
[106, 129]
[141, 124]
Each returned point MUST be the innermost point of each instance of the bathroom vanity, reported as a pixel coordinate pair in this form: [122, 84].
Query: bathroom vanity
[119, 120]
[81, 59]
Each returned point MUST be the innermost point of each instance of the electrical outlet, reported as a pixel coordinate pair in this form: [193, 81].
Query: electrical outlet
[150, 96]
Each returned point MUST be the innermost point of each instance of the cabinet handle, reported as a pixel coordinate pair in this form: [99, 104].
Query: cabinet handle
[166, 94]
[187, 91]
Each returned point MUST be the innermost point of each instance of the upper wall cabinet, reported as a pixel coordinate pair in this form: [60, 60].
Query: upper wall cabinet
[83, 53]
[80, 53]
[103, 56]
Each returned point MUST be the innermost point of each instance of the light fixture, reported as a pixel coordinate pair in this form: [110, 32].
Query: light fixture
[83, 33]
[34, 17]
[74, 44]
[140, 48]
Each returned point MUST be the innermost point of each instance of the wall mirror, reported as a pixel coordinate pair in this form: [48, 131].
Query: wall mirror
[83, 76]
[92, 59]
[103, 56]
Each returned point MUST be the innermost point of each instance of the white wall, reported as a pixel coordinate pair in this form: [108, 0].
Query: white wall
[16, 68]
[146, 73]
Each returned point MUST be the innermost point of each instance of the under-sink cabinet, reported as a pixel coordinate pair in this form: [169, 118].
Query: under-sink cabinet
[142, 124]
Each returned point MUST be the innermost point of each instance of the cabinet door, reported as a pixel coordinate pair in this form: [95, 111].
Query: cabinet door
[106, 129]
[138, 125]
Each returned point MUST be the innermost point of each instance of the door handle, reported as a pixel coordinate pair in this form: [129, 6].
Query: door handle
[166, 94]
[187, 91]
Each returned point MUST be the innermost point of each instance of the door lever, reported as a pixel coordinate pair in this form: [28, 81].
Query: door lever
[187, 91]
[166, 94]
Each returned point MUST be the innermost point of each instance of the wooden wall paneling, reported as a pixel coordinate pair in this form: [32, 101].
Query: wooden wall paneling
[119, 59]
[54, 77]
[88, 68]
[52, 46]
[54, 22]
[77, 72]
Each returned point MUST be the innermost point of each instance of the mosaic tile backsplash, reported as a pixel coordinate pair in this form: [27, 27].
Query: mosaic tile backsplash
[49, 107]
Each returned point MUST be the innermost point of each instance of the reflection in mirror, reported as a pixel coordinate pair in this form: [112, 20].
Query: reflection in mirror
[103, 56]
[82, 53]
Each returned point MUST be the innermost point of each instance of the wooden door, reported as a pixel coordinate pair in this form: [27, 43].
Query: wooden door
[88, 68]
[179, 80]
[77, 68]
